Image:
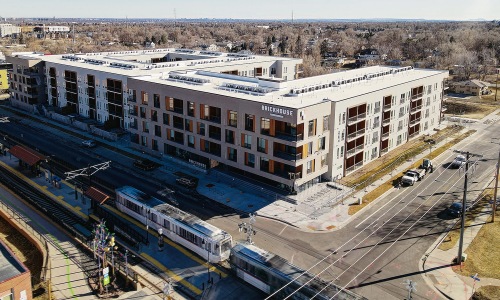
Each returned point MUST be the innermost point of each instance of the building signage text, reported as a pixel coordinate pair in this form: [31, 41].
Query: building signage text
[277, 110]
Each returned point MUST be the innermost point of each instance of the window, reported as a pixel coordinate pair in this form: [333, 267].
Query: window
[265, 126]
[166, 118]
[398, 142]
[249, 122]
[232, 154]
[229, 136]
[249, 160]
[233, 118]
[262, 145]
[144, 141]
[188, 125]
[402, 98]
[247, 141]
[156, 100]
[322, 143]
[169, 103]
[323, 160]
[191, 141]
[312, 127]
[144, 98]
[201, 129]
[143, 112]
[190, 109]
[154, 116]
[264, 164]
[376, 122]
[375, 137]
[326, 123]
[154, 145]
[310, 166]
[157, 131]
[310, 148]
[429, 89]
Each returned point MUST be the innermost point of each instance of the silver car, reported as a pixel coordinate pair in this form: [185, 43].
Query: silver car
[458, 161]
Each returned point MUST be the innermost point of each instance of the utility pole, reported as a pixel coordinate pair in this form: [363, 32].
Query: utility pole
[496, 83]
[494, 206]
[464, 201]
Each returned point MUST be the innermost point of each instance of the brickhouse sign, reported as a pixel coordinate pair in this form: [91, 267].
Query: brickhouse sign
[277, 110]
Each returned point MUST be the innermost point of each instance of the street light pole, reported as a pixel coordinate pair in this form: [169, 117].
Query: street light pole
[494, 208]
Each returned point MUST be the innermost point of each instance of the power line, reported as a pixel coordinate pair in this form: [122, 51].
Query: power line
[326, 257]
[390, 246]
[366, 253]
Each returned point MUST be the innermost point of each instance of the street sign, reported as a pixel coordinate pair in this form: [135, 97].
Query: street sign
[475, 277]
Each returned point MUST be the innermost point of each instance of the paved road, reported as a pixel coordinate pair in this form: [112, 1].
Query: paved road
[370, 240]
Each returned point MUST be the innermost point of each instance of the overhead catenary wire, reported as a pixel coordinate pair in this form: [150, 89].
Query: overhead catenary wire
[475, 163]
[390, 246]
[344, 255]
[344, 244]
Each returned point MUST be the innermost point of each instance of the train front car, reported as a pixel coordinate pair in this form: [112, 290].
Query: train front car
[206, 240]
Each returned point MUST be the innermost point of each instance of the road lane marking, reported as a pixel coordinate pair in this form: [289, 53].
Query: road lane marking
[283, 229]
[364, 220]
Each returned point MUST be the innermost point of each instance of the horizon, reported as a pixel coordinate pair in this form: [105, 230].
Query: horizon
[428, 10]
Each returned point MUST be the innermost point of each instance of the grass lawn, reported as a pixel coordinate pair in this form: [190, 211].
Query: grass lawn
[369, 197]
[489, 292]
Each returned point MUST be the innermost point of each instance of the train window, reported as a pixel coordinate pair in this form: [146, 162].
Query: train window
[226, 246]
[216, 252]
[153, 217]
[166, 224]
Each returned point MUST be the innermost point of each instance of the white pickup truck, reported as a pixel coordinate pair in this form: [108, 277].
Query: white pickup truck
[412, 176]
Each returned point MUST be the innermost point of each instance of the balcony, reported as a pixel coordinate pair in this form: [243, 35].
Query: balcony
[288, 156]
[387, 107]
[385, 150]
[413, 122]
[354, 150]
[386, 121]
[357, 118]
[356, 134]
[417, 96]
[355, 167]
[413, 135]
[414, 109]
[289, 137]
[385, 135]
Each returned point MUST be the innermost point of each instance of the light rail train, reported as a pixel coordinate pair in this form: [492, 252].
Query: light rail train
[204, 239]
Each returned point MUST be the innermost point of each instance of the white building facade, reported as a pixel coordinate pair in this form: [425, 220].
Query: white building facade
[249, 114]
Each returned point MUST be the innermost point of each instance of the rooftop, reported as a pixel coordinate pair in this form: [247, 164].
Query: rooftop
[9, 265]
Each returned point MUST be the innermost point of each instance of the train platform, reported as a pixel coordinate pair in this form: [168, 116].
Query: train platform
[190, 274]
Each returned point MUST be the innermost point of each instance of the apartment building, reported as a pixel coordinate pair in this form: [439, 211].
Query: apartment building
[26, 80]
[249, 114]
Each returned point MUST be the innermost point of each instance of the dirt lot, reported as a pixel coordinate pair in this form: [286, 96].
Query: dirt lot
[470, 108]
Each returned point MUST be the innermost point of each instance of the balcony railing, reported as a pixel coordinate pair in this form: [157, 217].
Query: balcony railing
[413, 135]
[387, 107]
[355, 167]
[385, 135]
[417, 96]
[355, 150]
[413, 122]
[356, 118]
[132, 112]
[288, 156]
[289, 137]
[385, 150]
[261, 149]
[356, 134]
[386, 121]
[131, 99]
[414, 109]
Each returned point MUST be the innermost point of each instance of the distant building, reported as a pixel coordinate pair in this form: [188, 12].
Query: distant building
[470, 87]
[150, 45]
[369, 54]
[15, 278]
[9, 30]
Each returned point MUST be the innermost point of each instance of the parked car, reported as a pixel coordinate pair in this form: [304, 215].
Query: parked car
[145, 164]
[455, 209]
[427, 165]
[412, 176]
[458, 161]
[89, 143]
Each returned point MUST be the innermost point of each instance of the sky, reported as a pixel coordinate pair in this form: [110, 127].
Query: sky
[256, 9]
